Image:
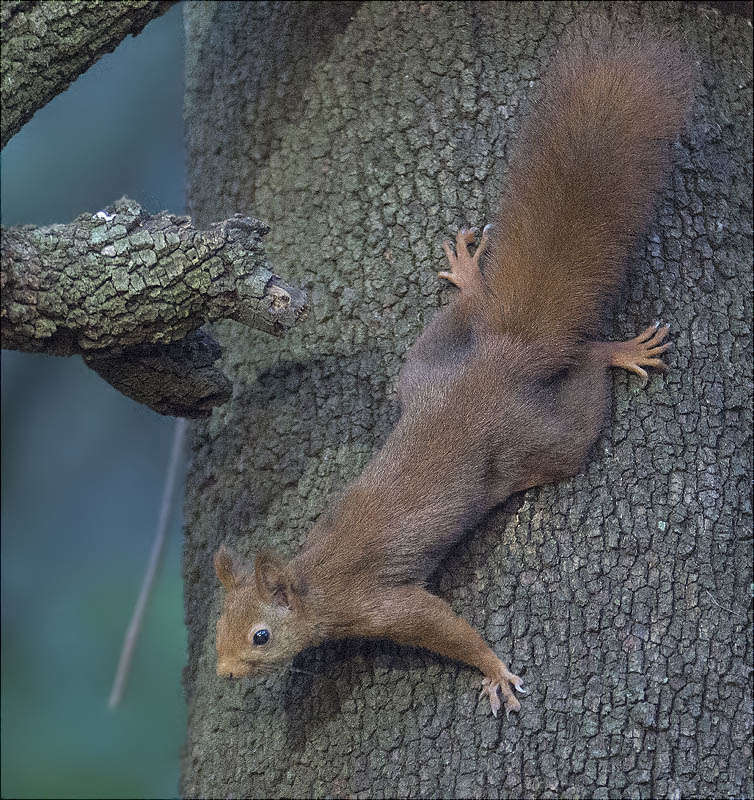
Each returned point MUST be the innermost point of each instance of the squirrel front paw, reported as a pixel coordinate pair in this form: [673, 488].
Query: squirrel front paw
[503, 680]
[464, 268]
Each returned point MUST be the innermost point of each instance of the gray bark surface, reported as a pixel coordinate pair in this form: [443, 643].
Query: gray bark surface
[366, 135]
[47, 45]
[125, 289]
[179, 379]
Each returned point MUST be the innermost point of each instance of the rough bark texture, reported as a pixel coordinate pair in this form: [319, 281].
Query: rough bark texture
[623, 595]
[121, 285]
[178, 379]
[47, 45]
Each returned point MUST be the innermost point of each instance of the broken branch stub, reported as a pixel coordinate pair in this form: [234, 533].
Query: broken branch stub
[122, 277]
[119, 285]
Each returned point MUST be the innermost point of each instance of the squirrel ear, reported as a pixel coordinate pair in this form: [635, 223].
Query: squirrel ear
[272, 579]
[228, 567]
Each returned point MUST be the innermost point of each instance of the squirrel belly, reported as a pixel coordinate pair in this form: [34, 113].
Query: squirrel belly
[507, 388]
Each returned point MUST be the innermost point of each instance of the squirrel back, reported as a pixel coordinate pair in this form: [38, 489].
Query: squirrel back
[579, 190]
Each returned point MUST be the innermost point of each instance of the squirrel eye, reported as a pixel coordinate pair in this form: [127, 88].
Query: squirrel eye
[262, 636]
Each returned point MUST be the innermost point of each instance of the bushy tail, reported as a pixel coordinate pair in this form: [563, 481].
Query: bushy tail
[580, 187]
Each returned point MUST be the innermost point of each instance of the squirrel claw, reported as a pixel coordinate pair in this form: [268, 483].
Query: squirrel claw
[464, 268]
[641, 351]
[502, 682]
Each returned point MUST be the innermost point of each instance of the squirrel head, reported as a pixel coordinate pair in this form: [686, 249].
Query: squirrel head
[262, 624]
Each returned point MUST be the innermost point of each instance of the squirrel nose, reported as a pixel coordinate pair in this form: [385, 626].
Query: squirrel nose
[225, 669]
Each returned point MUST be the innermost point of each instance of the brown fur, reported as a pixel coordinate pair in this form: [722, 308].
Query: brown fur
[580, 189]
[504, 390]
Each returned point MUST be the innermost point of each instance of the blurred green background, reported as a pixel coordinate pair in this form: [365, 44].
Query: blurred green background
[83, 467]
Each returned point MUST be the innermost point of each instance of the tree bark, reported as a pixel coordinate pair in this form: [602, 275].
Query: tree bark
[366, 135]
[46, 46]
[125, 289]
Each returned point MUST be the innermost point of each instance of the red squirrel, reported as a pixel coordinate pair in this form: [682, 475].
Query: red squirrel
[507, 388]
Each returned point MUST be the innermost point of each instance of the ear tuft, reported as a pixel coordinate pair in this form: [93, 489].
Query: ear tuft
[272, 580]
[228, 567]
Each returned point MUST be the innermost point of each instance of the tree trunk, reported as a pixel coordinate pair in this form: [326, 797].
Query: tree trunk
[366, 134]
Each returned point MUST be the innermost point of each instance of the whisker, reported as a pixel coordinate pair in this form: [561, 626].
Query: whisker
[302, 671]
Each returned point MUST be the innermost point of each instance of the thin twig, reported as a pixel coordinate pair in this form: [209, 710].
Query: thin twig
[137, 618]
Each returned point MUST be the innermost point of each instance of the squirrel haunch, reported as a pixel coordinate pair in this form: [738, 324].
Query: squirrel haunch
[507, 388]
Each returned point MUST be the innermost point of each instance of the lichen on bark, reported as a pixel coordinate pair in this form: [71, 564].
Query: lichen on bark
[120, 285]
[623, 594]
[123, 277]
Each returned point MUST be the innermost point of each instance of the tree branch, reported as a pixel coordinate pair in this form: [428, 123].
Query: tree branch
[121, 285]
[178, 379]
[46, 46]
